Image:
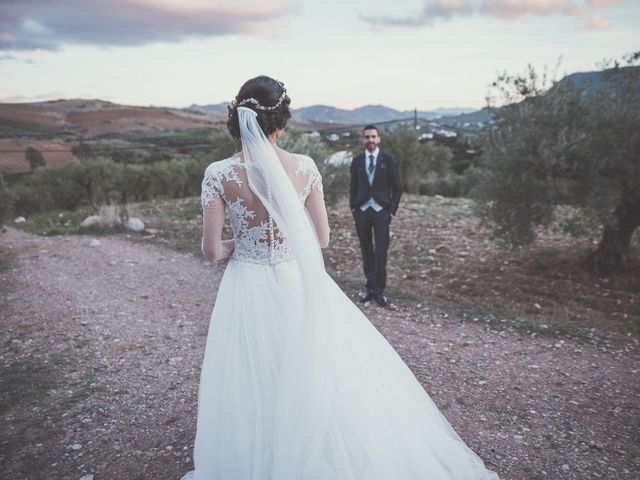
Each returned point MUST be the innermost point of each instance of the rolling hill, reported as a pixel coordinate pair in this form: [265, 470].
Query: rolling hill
[94, 117]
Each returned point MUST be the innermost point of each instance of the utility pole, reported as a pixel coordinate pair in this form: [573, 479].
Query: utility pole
[415, 119]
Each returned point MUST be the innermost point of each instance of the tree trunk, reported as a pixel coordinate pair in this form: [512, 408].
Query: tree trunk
[91, 198]
[613, 251]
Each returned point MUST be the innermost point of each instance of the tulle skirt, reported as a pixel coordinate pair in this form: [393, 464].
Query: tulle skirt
[377, 422]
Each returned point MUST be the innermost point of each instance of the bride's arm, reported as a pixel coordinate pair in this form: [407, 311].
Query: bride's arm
[318, 214]
[213, 247]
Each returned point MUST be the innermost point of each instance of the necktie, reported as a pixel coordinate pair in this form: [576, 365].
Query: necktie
[370, 164]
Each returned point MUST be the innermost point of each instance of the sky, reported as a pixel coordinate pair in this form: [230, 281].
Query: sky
[405, 54]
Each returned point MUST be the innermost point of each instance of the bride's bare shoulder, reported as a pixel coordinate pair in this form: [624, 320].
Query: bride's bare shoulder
[305, 163]
[300, 159]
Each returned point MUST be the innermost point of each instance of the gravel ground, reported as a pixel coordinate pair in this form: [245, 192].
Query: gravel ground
[102, 339]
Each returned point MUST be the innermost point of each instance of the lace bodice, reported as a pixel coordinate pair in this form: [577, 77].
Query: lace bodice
[257, 239]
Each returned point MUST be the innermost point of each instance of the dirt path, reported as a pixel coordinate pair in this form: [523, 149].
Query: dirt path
[101, 346]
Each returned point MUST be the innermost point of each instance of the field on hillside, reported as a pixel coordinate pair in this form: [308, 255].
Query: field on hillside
[53, 127]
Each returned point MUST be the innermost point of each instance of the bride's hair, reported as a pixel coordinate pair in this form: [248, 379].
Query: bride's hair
[268, 98]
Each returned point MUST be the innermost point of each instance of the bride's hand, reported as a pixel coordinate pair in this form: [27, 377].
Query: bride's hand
[228, 247]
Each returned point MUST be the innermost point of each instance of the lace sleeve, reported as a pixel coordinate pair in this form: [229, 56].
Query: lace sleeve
[314, 201]
[314, 180]
[211, 185]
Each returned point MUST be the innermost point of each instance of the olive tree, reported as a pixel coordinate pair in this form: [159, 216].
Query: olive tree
[34, 157]
[574, 144]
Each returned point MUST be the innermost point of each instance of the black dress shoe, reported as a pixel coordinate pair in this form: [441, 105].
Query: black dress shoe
[382, 300]
[367, 297]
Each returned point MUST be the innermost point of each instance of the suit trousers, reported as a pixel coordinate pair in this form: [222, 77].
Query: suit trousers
[373, 232]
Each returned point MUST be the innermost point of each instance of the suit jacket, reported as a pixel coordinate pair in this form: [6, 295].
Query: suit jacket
[385, 189]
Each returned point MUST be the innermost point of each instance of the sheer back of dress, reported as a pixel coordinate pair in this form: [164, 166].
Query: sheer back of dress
[257, 237]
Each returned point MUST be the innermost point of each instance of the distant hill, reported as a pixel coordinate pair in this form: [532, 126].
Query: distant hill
[326, 114]
[477, 119]
[606, 80]
[218, 108]
[95, 117]
[589, 82]
[367, 114]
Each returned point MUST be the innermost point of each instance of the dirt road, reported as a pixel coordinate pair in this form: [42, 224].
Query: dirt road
[102, 339]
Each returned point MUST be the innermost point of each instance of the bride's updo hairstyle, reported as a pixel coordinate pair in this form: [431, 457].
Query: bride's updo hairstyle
[268, 98]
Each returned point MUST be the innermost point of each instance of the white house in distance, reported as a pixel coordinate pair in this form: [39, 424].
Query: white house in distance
[342, 157]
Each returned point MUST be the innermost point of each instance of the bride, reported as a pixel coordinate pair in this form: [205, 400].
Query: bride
[296, 383]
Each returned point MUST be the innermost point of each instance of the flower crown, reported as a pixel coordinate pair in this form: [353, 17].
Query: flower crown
[259, 106]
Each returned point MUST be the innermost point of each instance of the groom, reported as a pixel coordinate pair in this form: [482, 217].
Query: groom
[374, 195]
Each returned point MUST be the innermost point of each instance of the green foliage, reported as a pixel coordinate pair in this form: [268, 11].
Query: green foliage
[163, 147]
[223, 143]
[167, 179]
[34, 157]
[96, 178]
[403, 144]
[63, 222]
[100, 180]
[194, 168]
[573, 145]
[451, 184]
[298, 142]
[7, 201]
[335, 182]
[425, 167]
[30, 196]
[83, 151]
[466, 150]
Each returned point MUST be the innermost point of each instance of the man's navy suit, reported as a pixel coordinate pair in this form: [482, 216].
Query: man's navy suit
[372, 226]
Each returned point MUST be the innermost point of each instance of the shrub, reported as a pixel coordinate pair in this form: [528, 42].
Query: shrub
[30, 199]
[335, 182]
[7, 201]
[34, 157]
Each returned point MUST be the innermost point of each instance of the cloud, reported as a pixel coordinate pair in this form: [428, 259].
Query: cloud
[518, 8]
[42, 24]
[8, 57]
[604, 3]
[597, 22]
[432, 11]
[440, 10]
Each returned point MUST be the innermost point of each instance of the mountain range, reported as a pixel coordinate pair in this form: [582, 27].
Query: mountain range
[326, 114]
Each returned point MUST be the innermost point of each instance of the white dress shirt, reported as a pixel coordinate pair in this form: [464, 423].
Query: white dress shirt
[371, 202]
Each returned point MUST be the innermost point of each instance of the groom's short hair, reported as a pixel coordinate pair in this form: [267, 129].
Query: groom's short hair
[371, 127]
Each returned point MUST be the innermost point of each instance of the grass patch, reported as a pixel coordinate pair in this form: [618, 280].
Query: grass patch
[170, 210]
[57, 222]
[24, 381]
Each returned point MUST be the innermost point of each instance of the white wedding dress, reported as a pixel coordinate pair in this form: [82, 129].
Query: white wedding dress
[280, 401]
